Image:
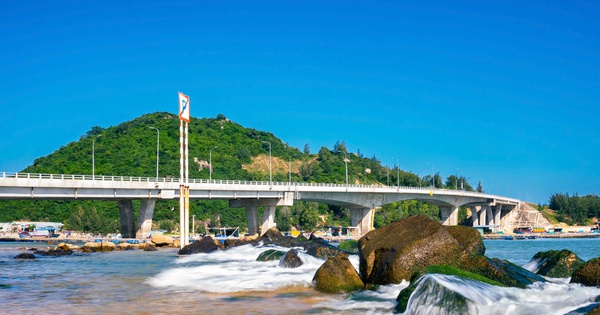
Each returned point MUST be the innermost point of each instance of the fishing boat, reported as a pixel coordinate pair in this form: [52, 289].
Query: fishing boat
[223, 233]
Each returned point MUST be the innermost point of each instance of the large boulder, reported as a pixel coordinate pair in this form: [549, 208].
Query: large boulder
[162, 240]
[290, 259]
[396, 251]
[555, 263]
[588, 274]
[98, 247]
[337, 274]
[204, 245]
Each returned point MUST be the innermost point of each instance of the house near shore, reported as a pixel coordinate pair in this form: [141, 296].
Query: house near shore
[22, 226]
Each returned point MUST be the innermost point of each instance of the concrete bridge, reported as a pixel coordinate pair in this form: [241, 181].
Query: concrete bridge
[361, 200]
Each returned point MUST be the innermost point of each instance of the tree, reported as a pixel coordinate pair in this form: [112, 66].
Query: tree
[309, 218]
[306, 148]
[480, 187]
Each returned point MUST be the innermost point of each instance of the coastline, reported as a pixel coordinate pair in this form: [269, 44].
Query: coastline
[540, 235]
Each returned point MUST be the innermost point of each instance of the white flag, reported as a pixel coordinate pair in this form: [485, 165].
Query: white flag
[184, 107]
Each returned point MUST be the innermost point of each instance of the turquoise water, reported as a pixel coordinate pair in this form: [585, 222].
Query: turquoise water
[521, 251]
[228, 282]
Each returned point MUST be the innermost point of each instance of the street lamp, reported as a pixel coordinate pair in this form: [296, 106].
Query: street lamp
[93, 157]
[210, 168]
[270, 165]
[397, 171]
[157, 148]
[346, 162]
[290, 167]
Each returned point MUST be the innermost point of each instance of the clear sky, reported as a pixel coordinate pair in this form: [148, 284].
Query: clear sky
[506, 92]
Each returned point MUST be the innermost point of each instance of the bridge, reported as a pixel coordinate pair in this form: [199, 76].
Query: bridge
[361, 200]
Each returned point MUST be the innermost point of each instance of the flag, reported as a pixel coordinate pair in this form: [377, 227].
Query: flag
[184, 107]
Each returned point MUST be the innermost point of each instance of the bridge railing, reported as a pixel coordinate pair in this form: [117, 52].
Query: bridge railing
[206, 181]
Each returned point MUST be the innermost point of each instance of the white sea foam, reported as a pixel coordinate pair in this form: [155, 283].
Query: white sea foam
[235, 270]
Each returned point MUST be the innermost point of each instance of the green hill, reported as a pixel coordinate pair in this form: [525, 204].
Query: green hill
[129, 149]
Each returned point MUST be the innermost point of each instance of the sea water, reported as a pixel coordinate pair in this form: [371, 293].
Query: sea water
[233, 282]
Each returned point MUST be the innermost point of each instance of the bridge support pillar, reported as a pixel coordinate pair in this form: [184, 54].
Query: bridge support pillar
[144, 223]
[474, 215]
[252, 219]
[269, 208]
[268, 219]
[362, 218]
[449, 215]
[496, 212]
[127, 220]
[489, 216]
[482, 215]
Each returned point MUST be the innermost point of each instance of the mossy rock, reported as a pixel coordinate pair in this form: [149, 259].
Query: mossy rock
[270, 254]
[457, 302]
[557, 264]
[501, 271]
[393, 253]
[588, 274]
[336, 275]
[349, 246]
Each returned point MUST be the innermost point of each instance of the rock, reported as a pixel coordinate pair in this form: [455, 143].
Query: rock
[205, 245]
[502, 271]
[161, 240]
[349, 246]
[588, 274]
[291, 259]
[98, 247]
[271, 236]
[396, 251]
[58, 251]
[270, 254]
[556, 264]
[337, 274]
[66, 246]
[124, 246]
[594, 311]
[233, 242]
[150, 248]
[25, 256]
[322, 250]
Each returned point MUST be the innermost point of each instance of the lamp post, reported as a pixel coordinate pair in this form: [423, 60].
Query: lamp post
[397, 171]
[210, 168]
[290, 167]
[157, 149]
[346, 162]
[93, 157]
[270, 165]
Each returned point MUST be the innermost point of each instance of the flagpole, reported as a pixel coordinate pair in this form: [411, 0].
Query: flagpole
[181, 188]
[187, 186]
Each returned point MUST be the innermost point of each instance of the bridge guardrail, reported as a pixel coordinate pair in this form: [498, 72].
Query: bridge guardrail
[214, 181]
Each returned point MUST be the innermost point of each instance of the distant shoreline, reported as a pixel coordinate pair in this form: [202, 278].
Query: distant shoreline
[561, 235]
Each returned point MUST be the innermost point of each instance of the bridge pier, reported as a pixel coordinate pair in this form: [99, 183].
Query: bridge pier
[362, 218]
[449, 215]
[126, 215]
[144, 224]
[496, 212]
[269, 208]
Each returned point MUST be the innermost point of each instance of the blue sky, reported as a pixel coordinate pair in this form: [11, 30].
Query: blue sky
[506, 92]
